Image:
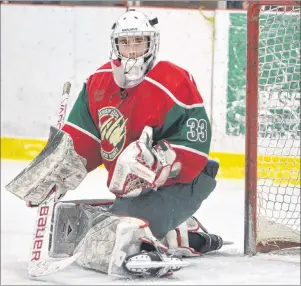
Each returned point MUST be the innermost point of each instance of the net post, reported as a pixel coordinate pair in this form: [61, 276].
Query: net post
[251, 128]
[271, 201]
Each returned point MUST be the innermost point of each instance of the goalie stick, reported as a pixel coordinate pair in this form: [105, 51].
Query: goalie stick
[40, 263]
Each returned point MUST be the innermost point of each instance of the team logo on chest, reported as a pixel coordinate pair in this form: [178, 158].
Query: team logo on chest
[112, 128]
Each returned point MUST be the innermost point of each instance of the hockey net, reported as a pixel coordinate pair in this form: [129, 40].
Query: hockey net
[272, 220]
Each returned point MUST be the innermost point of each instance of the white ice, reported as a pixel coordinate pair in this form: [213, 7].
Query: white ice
[222, 213]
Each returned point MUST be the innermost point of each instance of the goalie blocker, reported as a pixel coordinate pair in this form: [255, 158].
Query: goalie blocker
[58, 165]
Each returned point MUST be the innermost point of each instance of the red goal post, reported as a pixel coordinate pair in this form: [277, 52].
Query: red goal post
[272, 27]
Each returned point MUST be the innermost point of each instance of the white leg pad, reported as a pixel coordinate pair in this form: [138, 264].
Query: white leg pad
[109, 242]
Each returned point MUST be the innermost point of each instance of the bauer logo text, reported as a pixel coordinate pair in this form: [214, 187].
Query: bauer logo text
[39, 235]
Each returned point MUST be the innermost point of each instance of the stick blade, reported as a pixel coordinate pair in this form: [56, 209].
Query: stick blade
[47, 267]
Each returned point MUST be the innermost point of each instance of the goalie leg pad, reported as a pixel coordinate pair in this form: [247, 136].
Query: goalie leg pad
[71, 222]
[106, 242]
[103, 240]
[109, 246]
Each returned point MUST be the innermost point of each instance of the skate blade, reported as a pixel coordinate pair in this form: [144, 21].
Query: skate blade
[228, 242]
[156, 264]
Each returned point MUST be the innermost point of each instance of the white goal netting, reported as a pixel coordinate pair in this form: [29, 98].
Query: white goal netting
[278, 166]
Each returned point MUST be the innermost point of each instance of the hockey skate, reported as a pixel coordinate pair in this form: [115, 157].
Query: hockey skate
[190, 239]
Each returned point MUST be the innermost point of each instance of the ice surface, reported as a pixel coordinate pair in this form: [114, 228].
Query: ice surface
[222, 213]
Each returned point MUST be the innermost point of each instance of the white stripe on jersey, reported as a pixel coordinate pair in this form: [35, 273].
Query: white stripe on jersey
[162, 87]
[83, 131]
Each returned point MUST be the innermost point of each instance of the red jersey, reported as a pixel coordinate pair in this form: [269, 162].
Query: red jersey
[105, 119]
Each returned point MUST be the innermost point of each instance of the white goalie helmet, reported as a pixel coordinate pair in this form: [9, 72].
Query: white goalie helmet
[135, 44]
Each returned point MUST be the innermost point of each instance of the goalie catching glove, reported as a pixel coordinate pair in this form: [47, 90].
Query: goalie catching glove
[57, 168]
[142, 166]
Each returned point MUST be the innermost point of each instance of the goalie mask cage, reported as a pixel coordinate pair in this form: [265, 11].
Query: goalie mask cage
[272, 181]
